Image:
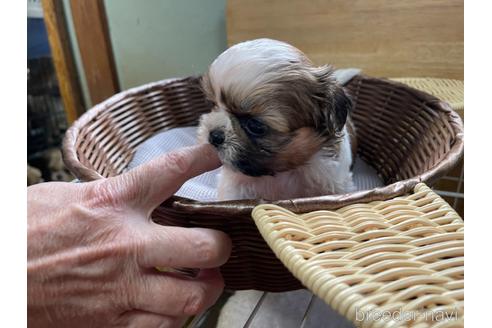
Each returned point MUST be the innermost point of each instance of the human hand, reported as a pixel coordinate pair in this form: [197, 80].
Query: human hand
[92, 250]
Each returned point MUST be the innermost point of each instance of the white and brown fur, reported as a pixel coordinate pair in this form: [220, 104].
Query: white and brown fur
[282, 124]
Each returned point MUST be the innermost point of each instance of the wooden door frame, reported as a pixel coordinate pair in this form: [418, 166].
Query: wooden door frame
[91, 28]
[92, 35]
[63, 60]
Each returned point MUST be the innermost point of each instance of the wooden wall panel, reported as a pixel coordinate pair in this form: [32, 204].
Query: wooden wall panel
[383, 37]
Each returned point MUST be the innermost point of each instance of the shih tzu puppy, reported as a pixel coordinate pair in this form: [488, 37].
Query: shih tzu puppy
[281, 125]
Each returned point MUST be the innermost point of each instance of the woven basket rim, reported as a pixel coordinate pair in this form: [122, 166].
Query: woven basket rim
[226, 208]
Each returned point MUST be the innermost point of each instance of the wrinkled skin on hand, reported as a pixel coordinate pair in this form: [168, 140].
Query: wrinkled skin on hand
[92, 250]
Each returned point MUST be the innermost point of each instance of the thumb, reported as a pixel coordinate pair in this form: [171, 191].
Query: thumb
[148, 185]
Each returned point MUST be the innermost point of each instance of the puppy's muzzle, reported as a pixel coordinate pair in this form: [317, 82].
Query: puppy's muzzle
[216, 137]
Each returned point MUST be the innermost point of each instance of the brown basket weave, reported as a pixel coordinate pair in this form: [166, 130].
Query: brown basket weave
[408, 136]
[452, 91]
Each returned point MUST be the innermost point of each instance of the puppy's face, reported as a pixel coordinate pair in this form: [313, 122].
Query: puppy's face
[273, 109]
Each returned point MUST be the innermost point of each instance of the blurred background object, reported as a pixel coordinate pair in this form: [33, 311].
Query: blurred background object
[46, 117]
[34, 175]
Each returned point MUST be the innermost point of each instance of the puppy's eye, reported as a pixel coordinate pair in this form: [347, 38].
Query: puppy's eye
[255, 127]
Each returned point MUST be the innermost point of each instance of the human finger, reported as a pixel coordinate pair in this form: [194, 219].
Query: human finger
[164, 246]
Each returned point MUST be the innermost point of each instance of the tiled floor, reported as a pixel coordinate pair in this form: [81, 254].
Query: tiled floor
[258, 309]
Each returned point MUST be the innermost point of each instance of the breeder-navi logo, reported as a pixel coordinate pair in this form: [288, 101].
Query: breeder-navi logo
[406, 316]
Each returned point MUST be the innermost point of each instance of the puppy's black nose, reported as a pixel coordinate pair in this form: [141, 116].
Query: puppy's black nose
[216, 137]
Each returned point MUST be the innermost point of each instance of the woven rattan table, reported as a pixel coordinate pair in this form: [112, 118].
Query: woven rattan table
[380, 264]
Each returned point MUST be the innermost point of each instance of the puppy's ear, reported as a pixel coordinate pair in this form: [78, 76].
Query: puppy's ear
[334, 103]
[206, 87]
[342, 106]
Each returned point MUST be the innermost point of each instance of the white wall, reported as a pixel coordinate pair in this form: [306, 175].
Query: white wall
[157, 39]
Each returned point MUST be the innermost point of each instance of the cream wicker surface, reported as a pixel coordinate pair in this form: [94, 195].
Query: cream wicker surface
[451, 91]
[405, 254]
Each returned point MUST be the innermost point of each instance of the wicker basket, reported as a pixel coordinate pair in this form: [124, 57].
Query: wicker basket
[408, 136]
